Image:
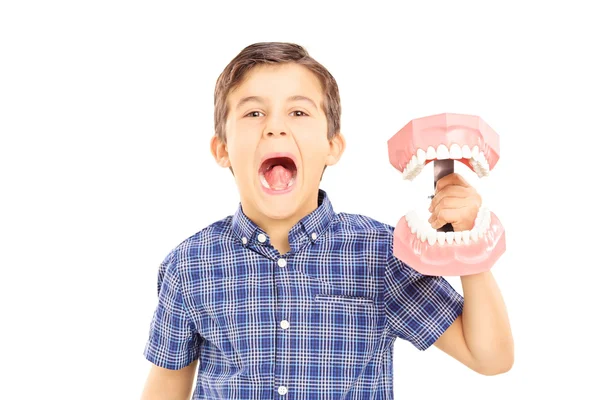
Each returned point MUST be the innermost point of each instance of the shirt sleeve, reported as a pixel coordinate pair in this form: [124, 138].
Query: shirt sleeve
[173, 342]
[419, 308]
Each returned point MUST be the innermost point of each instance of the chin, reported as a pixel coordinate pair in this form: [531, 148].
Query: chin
[279, 205]
[279, 212]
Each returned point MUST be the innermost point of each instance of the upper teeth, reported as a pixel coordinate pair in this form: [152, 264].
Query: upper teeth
[425, 232]
[476, 158]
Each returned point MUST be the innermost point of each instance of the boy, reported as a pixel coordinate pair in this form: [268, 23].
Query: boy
[287, 298]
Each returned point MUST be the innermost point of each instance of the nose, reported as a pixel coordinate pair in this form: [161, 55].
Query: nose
[275, 127]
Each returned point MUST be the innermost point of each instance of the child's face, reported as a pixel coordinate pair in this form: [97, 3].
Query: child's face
[277, 123]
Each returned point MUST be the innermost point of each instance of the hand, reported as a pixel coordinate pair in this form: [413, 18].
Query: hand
[455, 202]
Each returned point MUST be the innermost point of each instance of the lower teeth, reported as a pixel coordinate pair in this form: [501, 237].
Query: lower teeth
[264, 182]
[426, 233]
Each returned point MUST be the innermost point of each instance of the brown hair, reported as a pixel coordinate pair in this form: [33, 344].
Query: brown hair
[275, 53]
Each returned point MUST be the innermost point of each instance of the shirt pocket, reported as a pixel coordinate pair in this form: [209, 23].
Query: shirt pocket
[344, 334]
[344, 299]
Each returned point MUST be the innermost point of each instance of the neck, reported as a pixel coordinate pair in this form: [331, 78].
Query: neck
[278, 229]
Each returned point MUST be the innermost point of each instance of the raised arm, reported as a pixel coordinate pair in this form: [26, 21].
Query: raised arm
[481, 337]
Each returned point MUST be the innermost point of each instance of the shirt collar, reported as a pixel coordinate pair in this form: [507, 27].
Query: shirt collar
[309, 228]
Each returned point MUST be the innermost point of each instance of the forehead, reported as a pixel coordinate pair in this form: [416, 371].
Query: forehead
[279, 81]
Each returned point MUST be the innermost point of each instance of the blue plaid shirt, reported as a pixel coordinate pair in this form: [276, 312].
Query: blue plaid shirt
[318, 322]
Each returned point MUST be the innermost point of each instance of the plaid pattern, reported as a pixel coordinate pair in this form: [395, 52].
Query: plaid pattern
[316, 323]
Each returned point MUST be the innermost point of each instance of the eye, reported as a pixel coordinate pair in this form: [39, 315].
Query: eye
[252, 112]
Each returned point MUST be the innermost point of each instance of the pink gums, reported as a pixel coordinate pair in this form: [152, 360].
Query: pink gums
[446, 129]
[449, 259]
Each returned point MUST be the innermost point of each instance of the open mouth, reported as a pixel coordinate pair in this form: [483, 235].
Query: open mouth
[278, 174]
[467, 155]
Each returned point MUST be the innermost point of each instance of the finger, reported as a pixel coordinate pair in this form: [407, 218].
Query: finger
[461, 219]
[449, 191]
[451, 179]
[447, 216]
[450, 202]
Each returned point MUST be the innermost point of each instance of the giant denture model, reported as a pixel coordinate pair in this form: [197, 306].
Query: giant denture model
[445, 139]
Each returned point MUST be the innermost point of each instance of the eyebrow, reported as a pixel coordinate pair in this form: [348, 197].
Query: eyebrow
[261, 100]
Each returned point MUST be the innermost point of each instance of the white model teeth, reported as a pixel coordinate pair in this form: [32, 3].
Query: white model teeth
[425, 232]
[466, 152]
[421, 156]
[442, 152]
[466, 236]
[431, 153]
[455, 152]
[441, 237]
[474, 235]
[431, 237]
[476, 159]
[457, 237]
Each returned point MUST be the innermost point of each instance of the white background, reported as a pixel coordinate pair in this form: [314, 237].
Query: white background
[106, 112]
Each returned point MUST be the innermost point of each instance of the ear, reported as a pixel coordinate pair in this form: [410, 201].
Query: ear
[337, 145]
[219, 152]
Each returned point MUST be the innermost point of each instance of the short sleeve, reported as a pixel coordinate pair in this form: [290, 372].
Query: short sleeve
[173, 342]
[419, 308]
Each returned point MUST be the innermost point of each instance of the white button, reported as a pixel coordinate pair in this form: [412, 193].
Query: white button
[244, 240]
[282, 263]
[262, 238]
[313, 236]
[284, 324]
[282, 390]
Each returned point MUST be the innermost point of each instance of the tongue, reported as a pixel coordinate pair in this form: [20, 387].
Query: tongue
[278, 177]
